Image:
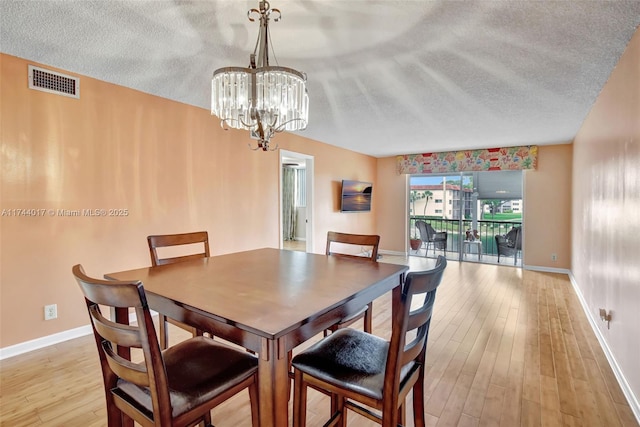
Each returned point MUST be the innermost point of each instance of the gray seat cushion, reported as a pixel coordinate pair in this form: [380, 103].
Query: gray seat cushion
[351, 359]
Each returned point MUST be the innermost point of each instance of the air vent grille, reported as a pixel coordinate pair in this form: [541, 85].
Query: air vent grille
[52, 82]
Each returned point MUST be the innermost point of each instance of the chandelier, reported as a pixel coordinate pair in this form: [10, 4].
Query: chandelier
[262, 99]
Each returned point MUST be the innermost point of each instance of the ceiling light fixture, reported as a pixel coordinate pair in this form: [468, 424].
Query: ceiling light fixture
[263, 99]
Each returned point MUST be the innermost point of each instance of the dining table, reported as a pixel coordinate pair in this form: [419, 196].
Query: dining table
[266, 300]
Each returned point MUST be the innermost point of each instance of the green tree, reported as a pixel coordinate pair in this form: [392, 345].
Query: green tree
[413, 196]
[426, 195]
[494, 205]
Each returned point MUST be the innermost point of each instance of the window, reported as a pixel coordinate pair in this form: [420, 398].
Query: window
[438, 200]
[439, 211]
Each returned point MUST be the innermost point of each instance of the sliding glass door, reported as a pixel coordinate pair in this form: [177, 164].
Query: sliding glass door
[470, 207]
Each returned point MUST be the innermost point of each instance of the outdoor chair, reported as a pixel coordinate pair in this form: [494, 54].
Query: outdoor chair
[510, 244]
[431, 237]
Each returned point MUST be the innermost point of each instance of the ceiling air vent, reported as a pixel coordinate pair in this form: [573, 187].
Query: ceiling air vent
[52, 82]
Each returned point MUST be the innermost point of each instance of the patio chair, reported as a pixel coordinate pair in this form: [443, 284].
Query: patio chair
[510, 244]
[431, 237]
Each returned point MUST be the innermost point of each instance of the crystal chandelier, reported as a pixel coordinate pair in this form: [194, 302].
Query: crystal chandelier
[263, 99]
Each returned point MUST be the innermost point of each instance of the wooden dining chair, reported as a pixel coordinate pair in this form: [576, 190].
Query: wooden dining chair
[190, 240]
[362, 371]
[367, 242]
[175, 387]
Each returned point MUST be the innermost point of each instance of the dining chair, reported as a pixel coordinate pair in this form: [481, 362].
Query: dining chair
[362, 371]
[175, 387]
[367, 242]
[186, 240]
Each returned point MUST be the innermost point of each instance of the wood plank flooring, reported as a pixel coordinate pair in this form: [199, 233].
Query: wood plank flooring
[506, 348]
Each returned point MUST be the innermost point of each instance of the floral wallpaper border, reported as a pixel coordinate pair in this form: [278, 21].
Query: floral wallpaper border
[489, 159]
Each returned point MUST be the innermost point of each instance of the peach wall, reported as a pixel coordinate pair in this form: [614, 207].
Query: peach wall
[393, 214]
[547, 209]
[606, 212]
[331, 166]
[170, 165]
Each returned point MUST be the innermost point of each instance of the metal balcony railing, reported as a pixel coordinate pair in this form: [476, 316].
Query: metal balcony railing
[487, 230]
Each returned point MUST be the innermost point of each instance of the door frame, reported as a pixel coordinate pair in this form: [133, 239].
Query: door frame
[309, 166]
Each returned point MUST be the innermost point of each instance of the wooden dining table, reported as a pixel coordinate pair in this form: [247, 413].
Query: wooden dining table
[266, 300]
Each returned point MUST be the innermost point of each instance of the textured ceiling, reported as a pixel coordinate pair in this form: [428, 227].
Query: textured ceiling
[384, 77]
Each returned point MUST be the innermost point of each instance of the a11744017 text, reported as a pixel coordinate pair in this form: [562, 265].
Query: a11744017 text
[51, 212]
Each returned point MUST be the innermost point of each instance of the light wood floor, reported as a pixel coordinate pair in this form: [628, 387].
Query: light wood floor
[507, 347]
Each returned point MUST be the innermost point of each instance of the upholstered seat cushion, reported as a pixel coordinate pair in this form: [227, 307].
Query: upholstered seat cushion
[351, 359]
[197, 370]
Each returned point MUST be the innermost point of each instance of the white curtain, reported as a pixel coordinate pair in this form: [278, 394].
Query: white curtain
[288, 203]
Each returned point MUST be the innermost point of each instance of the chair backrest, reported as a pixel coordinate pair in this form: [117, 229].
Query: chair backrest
[519, 238]
[112, 338]
[166, 240]
[368, 240]
[514, 236]
[410, 327]
[426, 231]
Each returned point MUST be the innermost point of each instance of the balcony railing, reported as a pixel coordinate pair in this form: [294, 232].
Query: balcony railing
[487, 230]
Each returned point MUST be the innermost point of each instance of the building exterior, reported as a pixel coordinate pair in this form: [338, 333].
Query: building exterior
[441, 200]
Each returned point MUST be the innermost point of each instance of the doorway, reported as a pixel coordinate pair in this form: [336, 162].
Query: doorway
[296, 201]
[470, 208]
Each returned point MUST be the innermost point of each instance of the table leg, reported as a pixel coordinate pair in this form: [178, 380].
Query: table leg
[273, 374]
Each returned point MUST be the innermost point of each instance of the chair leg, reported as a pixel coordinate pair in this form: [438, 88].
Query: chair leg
[338, 407]
[126, 420]
[253, 400]
[206, 420]
[115, 417]
[290, 373]
[163, 332]
[299, 400]
[368, 318]
[418, 402]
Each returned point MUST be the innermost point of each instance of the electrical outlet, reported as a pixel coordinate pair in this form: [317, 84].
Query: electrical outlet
[554, 257]
[50, 311]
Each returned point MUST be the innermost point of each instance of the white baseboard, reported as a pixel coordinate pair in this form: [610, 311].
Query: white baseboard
[38, 343]
[546, 269]
[27, 346]
[624, 385]
[395, 253]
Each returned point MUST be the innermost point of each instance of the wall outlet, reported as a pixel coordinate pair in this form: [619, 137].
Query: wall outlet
[554, 257]
[50, 311]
